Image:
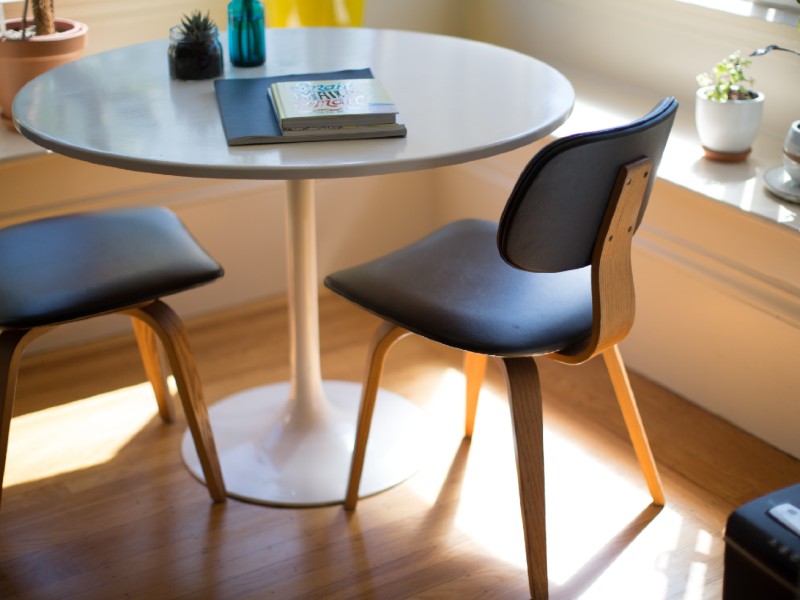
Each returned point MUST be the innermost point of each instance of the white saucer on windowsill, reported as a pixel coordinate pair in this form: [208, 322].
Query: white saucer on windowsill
[778, 182]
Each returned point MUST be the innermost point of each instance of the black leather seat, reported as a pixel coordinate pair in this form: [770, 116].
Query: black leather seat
[553, 279]
[63, 269]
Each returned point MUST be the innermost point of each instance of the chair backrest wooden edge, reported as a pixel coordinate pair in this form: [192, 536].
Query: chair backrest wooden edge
[613, 297]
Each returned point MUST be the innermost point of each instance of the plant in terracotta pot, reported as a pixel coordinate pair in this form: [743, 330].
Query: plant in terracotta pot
[29, 48]
[727, 111]
[195, 51]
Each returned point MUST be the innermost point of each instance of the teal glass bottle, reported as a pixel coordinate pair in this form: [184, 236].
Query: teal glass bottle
[246, 39]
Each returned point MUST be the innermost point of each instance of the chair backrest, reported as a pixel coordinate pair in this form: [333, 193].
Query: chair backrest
[578, 203]
[553, 215]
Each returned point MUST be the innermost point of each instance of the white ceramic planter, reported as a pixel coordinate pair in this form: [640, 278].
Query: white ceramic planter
[727, 128]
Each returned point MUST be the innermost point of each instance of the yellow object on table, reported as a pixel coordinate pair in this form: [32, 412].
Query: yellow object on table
[315, 13]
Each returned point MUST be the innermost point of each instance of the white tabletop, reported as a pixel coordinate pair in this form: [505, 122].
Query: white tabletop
[460, 99]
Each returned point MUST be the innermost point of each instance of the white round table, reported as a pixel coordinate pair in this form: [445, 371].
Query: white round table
[290, 443]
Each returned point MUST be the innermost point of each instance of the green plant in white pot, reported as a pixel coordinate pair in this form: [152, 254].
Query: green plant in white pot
[727, 111]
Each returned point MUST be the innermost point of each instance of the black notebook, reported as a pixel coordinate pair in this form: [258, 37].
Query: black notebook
[246, 110]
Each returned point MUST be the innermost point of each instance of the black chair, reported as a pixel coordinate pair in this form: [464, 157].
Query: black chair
[560, 286]
[63, 269]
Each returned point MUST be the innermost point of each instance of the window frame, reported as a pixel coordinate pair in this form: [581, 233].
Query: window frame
[786, 12]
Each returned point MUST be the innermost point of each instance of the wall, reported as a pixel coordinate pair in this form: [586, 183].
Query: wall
[718, 312]
[123, 22]
[658, 45]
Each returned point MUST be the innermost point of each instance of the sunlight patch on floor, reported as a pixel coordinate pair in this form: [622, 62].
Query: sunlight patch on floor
[76, 435]
[444, 415]
[596, 517]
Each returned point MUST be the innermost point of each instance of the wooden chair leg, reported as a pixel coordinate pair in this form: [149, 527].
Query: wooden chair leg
[474, 372]
[172, 333]
[383, 339]
[633, 421]
[525, 401]
[148, 349]
[12, 345]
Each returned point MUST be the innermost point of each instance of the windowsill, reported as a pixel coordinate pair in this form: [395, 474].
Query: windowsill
[599, 105]
[740, 185]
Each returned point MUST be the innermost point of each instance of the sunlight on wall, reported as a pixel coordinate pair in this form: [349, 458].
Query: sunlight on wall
[599, 518]
[589, 116]
[76, 435]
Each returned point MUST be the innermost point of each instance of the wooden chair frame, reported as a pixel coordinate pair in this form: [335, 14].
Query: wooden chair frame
[613, 313]
[151, 321]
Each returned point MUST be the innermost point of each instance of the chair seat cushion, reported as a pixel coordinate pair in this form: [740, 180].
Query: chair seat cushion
[453, 287]
[71, 267]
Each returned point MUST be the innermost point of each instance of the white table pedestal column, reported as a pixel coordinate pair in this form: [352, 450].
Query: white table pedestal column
[290, 443]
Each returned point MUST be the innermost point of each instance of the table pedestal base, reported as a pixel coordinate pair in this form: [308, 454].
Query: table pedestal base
[267, 457]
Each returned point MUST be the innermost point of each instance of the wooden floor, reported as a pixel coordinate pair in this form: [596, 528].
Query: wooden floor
[97, 504]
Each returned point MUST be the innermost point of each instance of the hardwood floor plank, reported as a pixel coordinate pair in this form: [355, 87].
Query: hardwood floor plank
[109, 511]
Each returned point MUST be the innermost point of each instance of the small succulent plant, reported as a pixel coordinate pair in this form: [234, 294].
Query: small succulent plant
[196, 26]
[728, 80]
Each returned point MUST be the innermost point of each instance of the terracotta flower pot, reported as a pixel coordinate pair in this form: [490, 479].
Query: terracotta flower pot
[22, 60]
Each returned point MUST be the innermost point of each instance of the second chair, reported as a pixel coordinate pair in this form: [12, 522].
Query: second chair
[73, 267]
[552, 279]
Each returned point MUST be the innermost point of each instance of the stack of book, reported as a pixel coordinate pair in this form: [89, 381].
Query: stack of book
[334, 109]
[249, 116]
